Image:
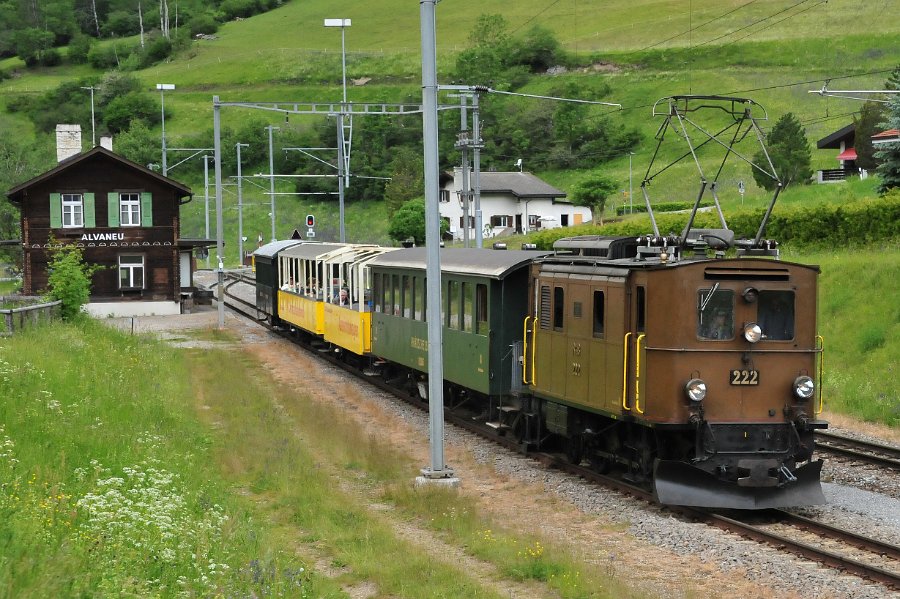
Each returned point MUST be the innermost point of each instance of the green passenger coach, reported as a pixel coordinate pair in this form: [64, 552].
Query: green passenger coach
[482, 307]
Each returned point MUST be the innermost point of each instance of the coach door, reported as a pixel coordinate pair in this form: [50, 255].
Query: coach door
[578, 339]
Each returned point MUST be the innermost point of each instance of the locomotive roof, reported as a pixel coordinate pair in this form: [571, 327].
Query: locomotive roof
[469, 261]
[270, 249]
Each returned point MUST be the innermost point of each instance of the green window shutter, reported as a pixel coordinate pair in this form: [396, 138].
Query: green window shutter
[112, 208]
[90, 221]
[55, 211]
[146, 209]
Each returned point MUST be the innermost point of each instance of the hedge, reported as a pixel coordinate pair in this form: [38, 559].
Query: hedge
[862, 221]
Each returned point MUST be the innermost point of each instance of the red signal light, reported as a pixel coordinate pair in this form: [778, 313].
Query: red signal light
[310, 220]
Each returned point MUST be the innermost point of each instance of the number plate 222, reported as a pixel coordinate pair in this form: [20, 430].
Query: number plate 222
[744, 377]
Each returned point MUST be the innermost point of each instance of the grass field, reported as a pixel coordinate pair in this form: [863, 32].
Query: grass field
[192, 473]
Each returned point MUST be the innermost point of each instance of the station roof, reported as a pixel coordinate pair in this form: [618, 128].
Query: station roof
[495, 264]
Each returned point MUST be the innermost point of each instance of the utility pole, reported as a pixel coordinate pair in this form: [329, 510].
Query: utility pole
[240, 203]
[462, 144]
[476, 159]
[272, 179]
[93, 126]
[162, 87]
[206, 158]
[220, 241]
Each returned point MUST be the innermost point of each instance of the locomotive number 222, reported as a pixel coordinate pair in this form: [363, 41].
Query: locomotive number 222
[744, 377]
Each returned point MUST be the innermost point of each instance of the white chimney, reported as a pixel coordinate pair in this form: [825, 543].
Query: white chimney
[68, 141]
[106, 142]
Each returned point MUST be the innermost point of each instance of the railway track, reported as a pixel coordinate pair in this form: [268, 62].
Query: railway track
[835, 548]
[862, 451]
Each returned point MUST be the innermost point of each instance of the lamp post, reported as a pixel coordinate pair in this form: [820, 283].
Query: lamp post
[272, 179]
[630, 196]
[240, 206]
[93, 126]
[342, 174]
[163, 87]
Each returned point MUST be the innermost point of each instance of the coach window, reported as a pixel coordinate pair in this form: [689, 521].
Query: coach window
[599, 307]
[467, 313]
[481, 309]
[558, 307]
[395, 295]
[407, 297]
[131, 272]
[776, 314]
[378, 294]
[453, 304]
[640, 307]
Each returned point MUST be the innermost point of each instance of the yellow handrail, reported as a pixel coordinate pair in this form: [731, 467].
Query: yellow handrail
[525, 350]
[821, 340]
[533, 353]
[625, 373]
[637, 373]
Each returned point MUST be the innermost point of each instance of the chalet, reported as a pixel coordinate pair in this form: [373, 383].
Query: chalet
[126, 219]
[843, 141]
[511, 202]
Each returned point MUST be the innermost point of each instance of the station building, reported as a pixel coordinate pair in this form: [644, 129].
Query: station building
[125, 217]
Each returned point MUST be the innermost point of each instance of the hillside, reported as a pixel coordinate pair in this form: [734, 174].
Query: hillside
[774, 51]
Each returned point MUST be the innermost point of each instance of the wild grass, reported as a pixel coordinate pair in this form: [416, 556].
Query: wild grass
[128, 468]
[859, 319]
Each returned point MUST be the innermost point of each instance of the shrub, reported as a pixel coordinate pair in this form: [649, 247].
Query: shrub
[239, 8]
[103, 57]
[70, 279]
[203, 24]
[79, 49]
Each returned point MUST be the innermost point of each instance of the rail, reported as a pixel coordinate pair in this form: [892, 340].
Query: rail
[637, 373]
[625, 372]
[525, 350]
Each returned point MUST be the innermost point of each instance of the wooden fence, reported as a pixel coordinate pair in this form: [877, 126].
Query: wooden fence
[32, 311]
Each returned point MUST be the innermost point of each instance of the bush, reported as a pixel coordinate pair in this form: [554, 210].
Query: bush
[203, 24]
[70, 279]
[135, 105]
[157, 50]
[103, 57]
[239, 8]
[79, 49]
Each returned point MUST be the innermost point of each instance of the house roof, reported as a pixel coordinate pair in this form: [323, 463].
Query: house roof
[15, 194]
[889, 136]
[519, 184]
[848, 154]
[846, 134]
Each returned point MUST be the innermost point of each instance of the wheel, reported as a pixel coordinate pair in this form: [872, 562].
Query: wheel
[574, 450]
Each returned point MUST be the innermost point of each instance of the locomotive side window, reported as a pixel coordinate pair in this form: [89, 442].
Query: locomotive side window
[640, 308]
[453, 304]
[776, 314]
[599, 307]
[715, 313]
[545, 307]
[481, 309]
[558, 307]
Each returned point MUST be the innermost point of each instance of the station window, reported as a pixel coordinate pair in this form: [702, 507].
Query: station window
[715, 313]
[131, 271]
[776, 314]
[599, 309]
[481, 309]
[558, 307]
[453, 304]
[72, 210]
[130, 209]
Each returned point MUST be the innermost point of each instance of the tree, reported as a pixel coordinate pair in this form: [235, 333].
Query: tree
[407, 179]
[119, 113]
[594, 192]
[790, 154]
[867, 124]
[32, 44]
[409, 222]
[138, 144]
[70, 279]
[889, 154]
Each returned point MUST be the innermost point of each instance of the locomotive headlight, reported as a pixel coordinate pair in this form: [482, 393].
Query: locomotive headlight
[695, 390]
[804, 387]
[752, 332]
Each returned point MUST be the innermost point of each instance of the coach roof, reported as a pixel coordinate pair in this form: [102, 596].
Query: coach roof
[466, 261]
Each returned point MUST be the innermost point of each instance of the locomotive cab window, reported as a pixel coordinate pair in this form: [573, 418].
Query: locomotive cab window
[558, 308]
[715, 313]
[598, 313]
[776, 314]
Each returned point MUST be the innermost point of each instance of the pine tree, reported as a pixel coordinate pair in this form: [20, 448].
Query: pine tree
[889, 154]
[790, 154]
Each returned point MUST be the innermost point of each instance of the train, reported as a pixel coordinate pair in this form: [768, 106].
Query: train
[687, 370]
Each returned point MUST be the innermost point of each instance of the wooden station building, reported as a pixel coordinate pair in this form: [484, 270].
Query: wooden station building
[125, 218]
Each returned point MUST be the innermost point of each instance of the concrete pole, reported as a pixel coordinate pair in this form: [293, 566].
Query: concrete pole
[438, 469]
[220, 241]
[464, 144]
[162, 101]
[272, 179]
[476, 172]
[206, 200]
[341, 185]
[240, 206]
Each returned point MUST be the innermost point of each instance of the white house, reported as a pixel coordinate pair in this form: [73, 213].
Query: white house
[511, 202]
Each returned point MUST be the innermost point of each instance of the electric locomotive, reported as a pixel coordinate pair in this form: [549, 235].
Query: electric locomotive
[694, 375]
